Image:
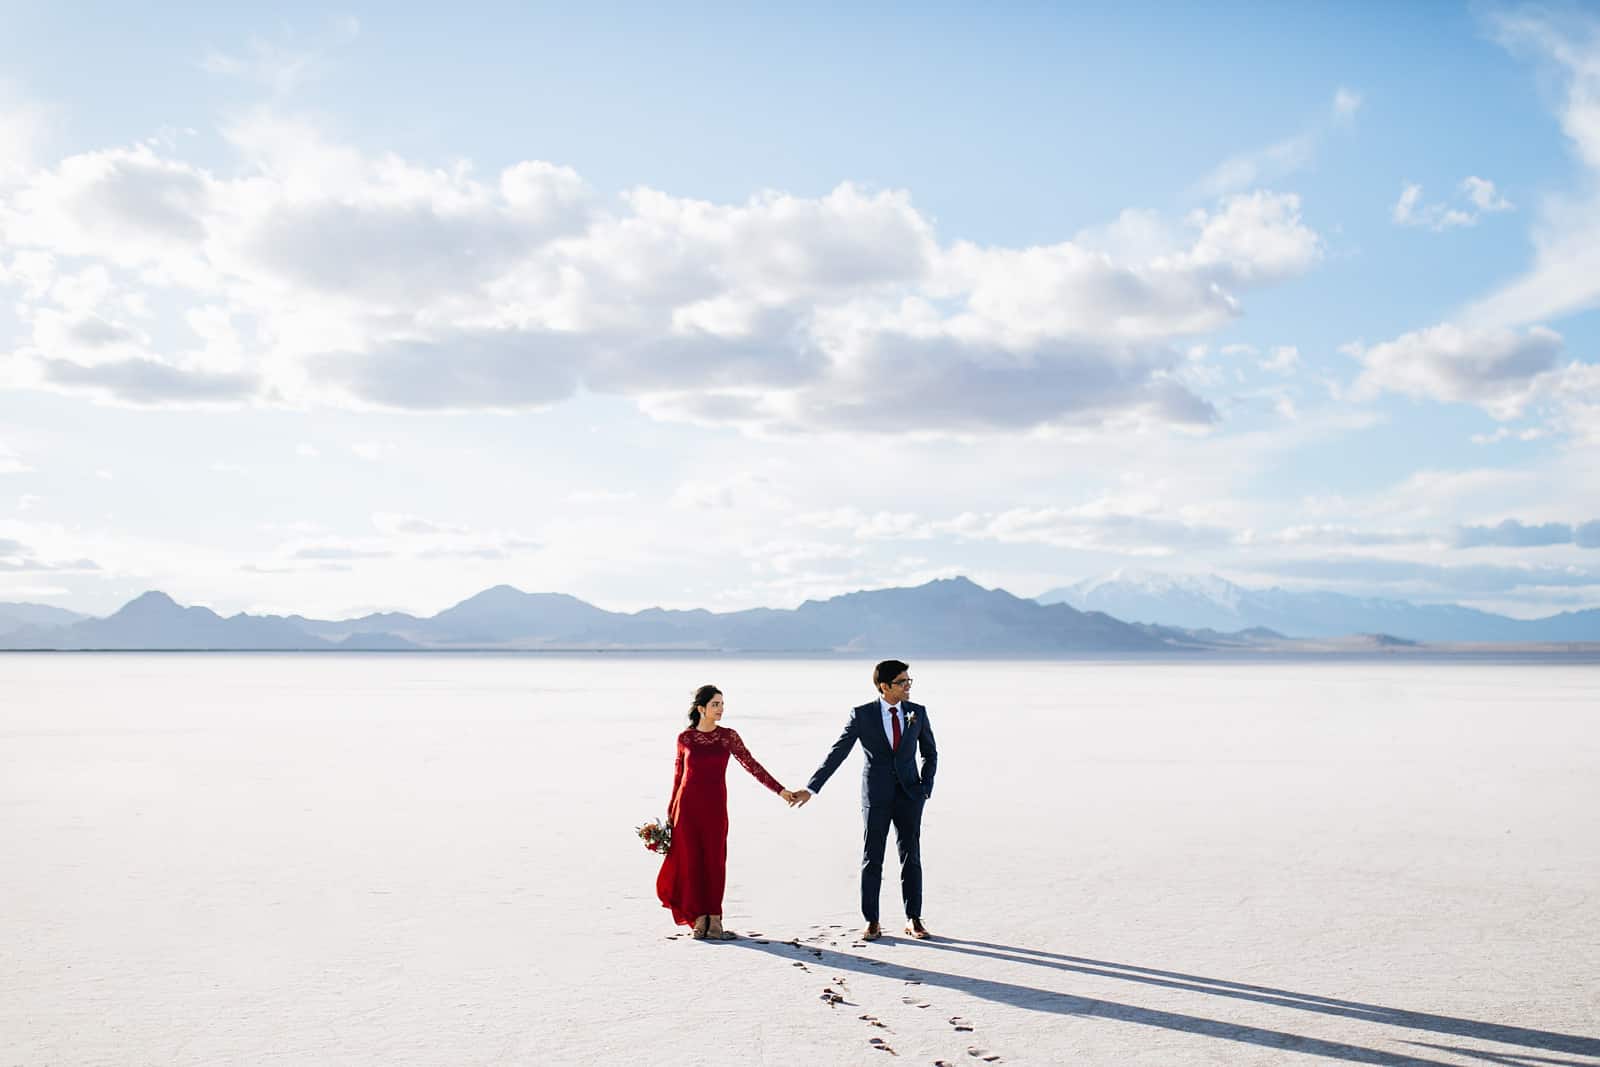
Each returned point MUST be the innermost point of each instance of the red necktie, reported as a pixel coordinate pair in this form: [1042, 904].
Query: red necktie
[894, 719]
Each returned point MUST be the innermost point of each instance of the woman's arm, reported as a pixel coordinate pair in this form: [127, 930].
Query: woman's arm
[748, 762]
[677, 779]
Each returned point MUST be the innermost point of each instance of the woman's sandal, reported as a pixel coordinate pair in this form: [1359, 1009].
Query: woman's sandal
[698, 932]
[715, 932]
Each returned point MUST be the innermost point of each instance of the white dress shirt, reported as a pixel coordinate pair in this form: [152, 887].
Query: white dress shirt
[888, 723]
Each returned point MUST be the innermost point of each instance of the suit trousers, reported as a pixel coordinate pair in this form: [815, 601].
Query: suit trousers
[904, 812]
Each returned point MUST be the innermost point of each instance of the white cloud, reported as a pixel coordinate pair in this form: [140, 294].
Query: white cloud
[1481, 197]
[1346, 102]
[1482, 193]
[1506, 433]
[1141, 529]
[1565, 276]
[399, 524]
[400, 537]
[1285, 359]
[1496, 369]
[877, 526]
[1331, 535]
[314, 274]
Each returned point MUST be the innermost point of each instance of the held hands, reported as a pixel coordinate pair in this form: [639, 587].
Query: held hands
[798, 798]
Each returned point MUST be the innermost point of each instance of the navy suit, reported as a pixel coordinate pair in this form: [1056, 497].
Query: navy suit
[892, 792]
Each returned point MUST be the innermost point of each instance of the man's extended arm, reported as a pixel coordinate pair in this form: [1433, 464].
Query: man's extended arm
[836, 755]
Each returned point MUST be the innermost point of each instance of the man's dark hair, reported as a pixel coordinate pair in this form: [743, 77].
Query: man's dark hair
[885, 672]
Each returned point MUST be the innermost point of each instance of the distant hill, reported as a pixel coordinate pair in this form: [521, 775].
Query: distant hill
[948, 616]
[17, 616]
[951, 617]
[154, 621]
[1210, 602]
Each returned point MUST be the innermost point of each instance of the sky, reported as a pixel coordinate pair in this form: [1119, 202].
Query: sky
[336, 310]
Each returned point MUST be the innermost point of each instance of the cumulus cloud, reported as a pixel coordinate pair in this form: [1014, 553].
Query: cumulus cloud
[1325, 535]
[17, 557]
[316, 274]
[1498, 369]
[1479, 193]
[1510, 533]
[150, 382]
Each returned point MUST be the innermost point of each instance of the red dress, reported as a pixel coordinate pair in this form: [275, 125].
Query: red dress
[695, 870]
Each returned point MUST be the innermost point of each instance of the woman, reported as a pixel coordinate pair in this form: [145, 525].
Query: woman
[696, 868]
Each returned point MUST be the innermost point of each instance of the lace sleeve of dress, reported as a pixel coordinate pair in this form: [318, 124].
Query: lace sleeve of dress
[677, 780]
[748, 762]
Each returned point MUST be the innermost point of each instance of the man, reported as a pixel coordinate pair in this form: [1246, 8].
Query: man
[891, 730]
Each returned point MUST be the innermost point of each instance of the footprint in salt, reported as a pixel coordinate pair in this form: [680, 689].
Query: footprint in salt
[881, 1045]
[873, 1020]
[960, 1024]
[983, 1054]
[915, 1002]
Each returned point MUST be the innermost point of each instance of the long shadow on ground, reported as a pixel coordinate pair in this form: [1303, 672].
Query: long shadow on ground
[1036, 999]
[1350, 1009]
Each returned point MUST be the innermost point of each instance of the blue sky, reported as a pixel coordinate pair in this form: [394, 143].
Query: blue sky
[341, 309]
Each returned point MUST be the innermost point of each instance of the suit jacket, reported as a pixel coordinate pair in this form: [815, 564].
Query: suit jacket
[885, 769]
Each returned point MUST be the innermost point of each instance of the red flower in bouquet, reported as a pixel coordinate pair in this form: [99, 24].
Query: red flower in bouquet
[656, 835]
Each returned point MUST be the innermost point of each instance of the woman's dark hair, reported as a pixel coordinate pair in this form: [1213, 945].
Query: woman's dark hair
[702, 697]
[884, 672]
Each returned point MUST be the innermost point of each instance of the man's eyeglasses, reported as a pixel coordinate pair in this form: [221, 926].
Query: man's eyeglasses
[902, 681]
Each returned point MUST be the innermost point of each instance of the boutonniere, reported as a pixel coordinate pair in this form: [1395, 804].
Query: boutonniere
[911, 718]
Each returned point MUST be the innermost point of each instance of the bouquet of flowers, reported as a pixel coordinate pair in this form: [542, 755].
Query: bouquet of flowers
[656, 835]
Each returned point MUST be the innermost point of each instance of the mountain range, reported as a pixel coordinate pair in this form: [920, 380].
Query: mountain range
[953, 616]
[950, 616]
[1210, 602]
